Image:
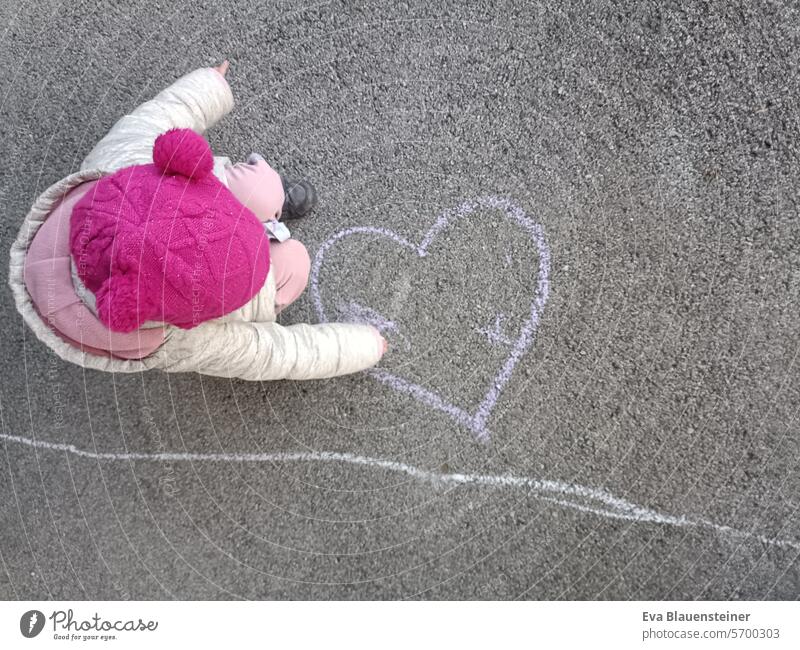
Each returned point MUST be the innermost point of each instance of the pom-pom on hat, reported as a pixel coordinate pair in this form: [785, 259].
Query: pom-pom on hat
[167, 241]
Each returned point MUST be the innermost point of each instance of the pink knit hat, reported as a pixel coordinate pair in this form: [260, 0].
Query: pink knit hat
[168, 241]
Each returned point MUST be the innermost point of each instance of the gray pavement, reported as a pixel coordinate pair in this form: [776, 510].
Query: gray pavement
[644, 446]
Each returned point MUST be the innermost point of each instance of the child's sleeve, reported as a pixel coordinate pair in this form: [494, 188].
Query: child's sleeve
[265, 351]
[196, 101]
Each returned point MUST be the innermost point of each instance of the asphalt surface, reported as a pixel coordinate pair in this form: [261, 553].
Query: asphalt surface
[655, 145]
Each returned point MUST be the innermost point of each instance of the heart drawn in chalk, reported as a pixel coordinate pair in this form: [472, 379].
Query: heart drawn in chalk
[476, 420]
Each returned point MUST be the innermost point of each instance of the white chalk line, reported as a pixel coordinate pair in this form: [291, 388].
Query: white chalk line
[591, 500]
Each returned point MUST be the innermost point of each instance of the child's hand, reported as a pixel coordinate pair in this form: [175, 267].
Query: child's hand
[382, 344]
[222, 68]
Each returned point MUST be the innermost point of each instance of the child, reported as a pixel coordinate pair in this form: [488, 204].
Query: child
[158, 255]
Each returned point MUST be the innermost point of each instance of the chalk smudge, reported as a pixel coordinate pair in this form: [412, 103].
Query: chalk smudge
[476, 421]
[584, 499]
[355, 312]
[495, 333]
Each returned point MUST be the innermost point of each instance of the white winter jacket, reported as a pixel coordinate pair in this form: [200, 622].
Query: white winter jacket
[246, 343]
